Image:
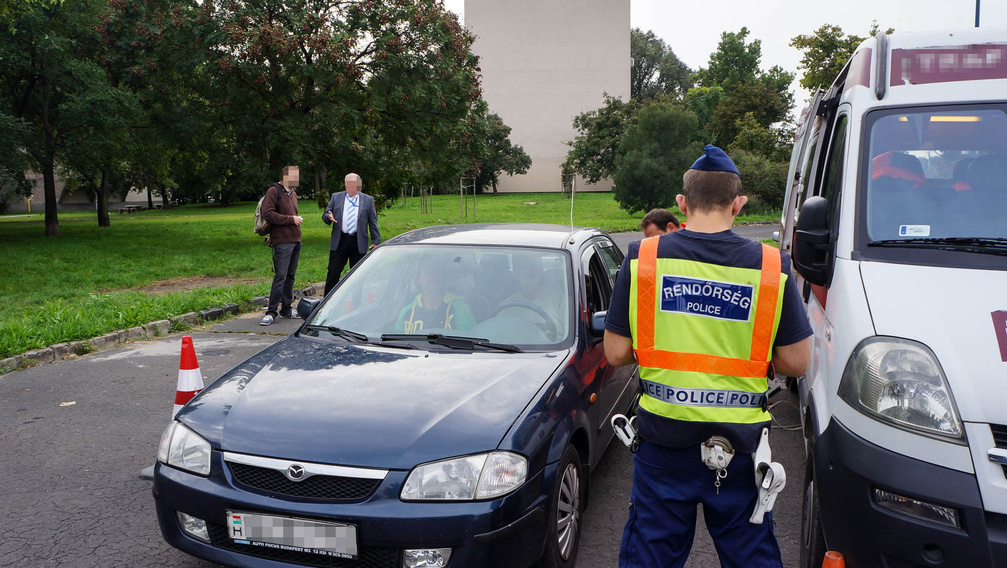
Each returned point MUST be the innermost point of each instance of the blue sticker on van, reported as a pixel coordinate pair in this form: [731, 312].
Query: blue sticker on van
[707, 298]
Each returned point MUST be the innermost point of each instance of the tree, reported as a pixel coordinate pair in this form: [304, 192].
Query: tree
[763, 180]
[734, 62]
[826, 52]
[502, 155]
[773, 143]
[593, 153]
[734, 68]
[44, 58]
[656, 70]
[656, 152]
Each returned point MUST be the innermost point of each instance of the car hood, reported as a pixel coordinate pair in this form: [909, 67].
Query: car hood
[951, 311]
[348, 404]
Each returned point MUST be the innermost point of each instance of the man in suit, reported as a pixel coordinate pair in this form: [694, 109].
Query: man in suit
[352, 216]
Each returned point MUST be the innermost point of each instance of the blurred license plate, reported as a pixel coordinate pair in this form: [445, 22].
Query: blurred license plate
[295, 535]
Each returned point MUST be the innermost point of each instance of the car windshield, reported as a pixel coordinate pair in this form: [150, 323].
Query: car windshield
[938, 174]
[513, 296]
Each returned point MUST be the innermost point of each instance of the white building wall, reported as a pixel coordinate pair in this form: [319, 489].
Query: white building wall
[544, 62]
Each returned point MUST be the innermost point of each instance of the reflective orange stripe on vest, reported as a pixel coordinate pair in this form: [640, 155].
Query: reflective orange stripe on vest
[762, 334]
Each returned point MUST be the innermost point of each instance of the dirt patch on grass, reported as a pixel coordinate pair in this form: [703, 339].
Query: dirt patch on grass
[193, 282]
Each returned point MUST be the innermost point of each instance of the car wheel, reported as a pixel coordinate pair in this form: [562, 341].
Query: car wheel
[812, 537]
[565, 515]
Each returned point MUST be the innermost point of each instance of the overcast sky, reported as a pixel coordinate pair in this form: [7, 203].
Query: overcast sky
[693, 34]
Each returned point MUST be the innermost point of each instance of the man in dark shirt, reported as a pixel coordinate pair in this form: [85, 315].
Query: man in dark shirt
[279, 209]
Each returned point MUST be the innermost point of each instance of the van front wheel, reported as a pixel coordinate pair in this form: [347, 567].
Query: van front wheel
[812, 538]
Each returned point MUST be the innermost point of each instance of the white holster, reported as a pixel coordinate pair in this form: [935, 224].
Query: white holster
[770, 478]
[624, 430]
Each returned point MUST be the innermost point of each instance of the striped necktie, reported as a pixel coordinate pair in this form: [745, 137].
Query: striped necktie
[351, 211]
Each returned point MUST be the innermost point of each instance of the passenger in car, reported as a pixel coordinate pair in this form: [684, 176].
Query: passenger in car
[434, 308]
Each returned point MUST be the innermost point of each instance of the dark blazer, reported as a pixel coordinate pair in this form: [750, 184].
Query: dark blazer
[367, 217]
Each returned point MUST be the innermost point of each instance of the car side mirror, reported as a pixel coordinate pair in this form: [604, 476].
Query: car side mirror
[306, 306]
[813, 242]
[598, 323]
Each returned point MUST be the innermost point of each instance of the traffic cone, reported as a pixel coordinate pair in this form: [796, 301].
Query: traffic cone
[190, 380]
[833, 559]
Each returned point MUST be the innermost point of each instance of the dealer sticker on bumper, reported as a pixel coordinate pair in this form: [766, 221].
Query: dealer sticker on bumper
[295, 535]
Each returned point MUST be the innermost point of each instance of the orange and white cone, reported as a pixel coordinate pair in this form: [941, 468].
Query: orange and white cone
[190, 380]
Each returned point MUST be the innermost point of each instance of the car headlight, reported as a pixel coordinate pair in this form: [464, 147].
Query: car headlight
[901, 382]
[480, 476]
[182, 448]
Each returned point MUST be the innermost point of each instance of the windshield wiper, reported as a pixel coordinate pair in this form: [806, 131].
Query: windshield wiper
[983, 245]
[451, 341]
[340, 332]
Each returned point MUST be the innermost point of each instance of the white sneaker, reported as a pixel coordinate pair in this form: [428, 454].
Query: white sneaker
[266, 320]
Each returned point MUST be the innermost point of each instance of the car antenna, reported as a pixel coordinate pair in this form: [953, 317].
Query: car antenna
[573, 192]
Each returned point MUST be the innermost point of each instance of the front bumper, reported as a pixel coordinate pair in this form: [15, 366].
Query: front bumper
[509, 531]
[848, 469]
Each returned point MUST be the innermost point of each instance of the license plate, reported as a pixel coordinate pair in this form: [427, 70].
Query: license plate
[295, 535]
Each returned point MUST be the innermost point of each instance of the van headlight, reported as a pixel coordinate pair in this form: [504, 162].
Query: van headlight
[901, 382]
[182, 448]
[480, 476]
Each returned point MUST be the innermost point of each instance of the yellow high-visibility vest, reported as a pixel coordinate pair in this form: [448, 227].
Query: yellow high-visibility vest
[703, 335]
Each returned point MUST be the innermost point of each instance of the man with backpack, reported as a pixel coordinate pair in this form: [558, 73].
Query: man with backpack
[279, 210]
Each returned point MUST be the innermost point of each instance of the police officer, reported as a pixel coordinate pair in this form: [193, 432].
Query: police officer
[705, 312]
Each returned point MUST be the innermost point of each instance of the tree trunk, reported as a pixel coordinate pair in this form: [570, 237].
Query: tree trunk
[150, 200]
[101, 198]
[49, 183]
[165, 204]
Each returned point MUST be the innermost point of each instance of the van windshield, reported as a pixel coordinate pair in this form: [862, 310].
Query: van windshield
[938, 174]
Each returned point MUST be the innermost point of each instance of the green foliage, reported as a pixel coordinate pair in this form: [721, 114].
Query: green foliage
[656, 151]
[773, 143]
[825, 53]
[756, 100]
[656, 70]
[734, 62]
[593, 153]
[761, 179]
[502, 156]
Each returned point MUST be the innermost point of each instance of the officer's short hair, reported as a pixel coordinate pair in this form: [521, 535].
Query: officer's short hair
[659, 218]
[707, 191]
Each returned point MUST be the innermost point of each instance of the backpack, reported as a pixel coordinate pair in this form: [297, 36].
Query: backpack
[263, 228]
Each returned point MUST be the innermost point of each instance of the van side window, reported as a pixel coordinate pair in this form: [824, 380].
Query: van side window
[833, 178]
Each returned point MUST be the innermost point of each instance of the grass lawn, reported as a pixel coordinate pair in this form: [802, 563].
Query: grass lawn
[87, 281]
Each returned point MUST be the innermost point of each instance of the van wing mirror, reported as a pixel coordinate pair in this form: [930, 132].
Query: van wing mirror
[598, 323]
[813, 242]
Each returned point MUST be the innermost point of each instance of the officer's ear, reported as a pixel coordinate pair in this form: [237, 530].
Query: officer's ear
[680, 200]
[739, 202]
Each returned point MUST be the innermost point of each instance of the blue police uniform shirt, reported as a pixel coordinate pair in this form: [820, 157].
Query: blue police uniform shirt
[725, 248]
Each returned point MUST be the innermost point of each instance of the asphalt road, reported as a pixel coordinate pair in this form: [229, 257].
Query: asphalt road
[75, 434]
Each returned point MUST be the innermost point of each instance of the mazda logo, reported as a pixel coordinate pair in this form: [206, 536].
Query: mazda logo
[295, 472]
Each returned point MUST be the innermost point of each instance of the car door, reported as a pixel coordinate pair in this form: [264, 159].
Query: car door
[615, 385]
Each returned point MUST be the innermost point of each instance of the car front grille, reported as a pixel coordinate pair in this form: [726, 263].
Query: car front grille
[1000, 439]
[321, 487]
[367, 557]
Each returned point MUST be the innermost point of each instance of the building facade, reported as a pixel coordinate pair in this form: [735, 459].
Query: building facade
[544, 62]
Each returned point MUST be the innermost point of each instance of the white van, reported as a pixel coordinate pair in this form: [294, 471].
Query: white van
[896, 216]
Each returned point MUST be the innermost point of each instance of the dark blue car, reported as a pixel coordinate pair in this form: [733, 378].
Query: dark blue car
[443, 406]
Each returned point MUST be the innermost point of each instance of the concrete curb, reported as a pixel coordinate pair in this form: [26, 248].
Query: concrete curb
[158, 328]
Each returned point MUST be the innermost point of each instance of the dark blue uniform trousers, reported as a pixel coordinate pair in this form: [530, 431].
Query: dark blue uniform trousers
[668, 483]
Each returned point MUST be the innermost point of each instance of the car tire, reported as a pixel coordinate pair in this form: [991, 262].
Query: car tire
[812, 537]
[565, 512]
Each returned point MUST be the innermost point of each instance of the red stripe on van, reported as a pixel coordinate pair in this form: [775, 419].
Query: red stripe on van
[948, 64]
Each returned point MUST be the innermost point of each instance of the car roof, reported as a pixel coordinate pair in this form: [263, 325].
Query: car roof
[499, 234]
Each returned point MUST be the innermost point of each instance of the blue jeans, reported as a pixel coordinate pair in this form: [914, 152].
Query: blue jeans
[668, 484]
[281, 294]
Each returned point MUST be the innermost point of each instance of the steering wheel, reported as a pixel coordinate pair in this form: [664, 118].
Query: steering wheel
[551, 328]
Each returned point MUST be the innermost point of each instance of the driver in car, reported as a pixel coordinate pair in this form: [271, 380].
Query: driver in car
[434, 307]
[534, 292]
